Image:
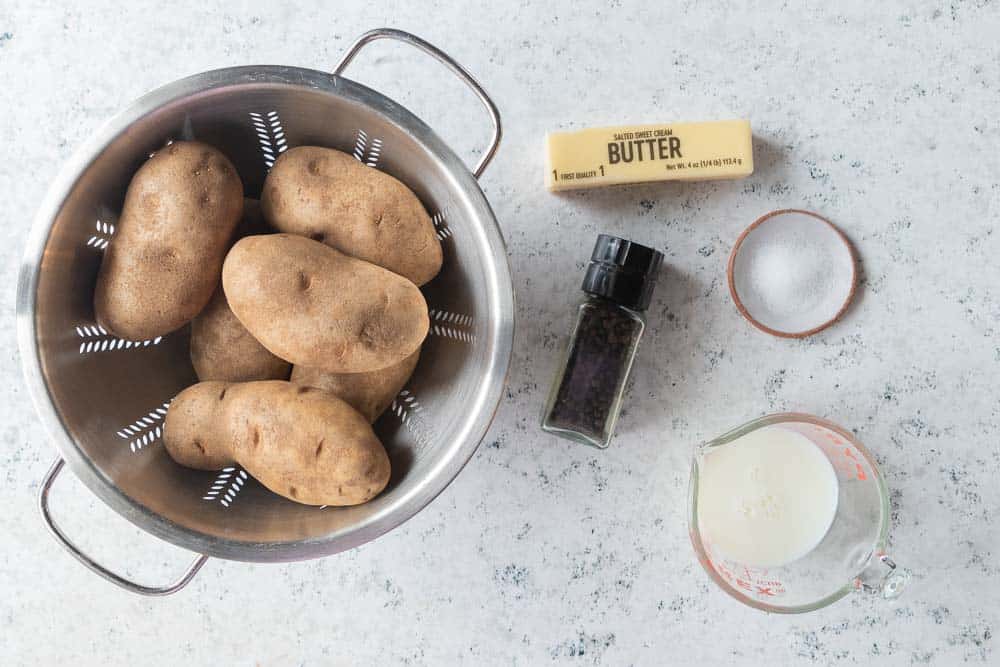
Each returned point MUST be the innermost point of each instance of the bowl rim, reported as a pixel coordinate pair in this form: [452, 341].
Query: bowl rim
[482, 409]
[741, 307]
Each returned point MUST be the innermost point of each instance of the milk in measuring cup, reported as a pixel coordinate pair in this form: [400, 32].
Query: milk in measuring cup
[767, 498]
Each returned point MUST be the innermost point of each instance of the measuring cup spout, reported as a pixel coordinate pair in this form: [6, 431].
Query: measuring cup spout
[883, 577]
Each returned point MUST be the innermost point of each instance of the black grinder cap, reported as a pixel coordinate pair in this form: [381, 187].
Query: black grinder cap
[622, 271]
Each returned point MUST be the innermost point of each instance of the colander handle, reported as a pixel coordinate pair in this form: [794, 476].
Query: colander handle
[94, 566]
[447, 61]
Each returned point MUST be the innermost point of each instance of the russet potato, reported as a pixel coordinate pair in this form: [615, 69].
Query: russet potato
[300, 442]
[368, 393]
[329, 196]
[164, 262]
[315, 306]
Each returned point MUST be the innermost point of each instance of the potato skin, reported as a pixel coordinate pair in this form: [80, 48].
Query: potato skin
[162, 266]
[329, 196]
[312, 305]
[368, 393]
[192, 434]
[222, 348]
[301, 443]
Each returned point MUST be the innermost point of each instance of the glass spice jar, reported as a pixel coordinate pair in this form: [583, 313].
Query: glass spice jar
[587, 393]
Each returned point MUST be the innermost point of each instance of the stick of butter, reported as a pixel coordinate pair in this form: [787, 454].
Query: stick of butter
[644, 153]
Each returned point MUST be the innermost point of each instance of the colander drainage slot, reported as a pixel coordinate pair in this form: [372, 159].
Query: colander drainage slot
[407, 408]
[440, 228]
[144, 431]
[102, 236]
[449, 317]
[227, 484]
[404, 404]
[97, 339]
[365, 152]
[452, 325]
[270, 134]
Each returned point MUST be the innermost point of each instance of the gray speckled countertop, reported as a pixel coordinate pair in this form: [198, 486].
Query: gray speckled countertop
[881, 116]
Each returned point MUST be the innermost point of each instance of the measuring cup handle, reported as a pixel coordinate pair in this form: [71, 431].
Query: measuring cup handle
[94, 566]
[447, 61]
[888, 582]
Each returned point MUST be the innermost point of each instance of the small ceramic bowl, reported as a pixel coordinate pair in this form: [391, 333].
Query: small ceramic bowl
[792, 273]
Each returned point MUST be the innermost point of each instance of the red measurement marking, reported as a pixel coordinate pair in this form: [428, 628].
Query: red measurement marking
[859, 470]
[721, 569]
[751, 581]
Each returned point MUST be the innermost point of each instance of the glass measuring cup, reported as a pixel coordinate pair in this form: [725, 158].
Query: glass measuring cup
[851, 556]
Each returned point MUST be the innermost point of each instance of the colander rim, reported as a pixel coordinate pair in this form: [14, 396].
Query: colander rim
[500, 329]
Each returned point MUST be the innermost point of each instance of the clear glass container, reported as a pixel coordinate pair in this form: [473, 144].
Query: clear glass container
[851, 557]
[586, 396]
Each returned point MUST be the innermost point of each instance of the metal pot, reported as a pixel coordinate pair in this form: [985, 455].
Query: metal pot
[102, 399]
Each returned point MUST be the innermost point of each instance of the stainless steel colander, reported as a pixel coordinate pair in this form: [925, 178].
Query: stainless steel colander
[103, 399]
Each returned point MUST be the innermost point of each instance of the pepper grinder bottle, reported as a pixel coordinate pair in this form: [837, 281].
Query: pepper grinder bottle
[587, 393]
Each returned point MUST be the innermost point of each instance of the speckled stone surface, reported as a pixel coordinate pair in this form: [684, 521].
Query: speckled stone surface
[881, 116]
